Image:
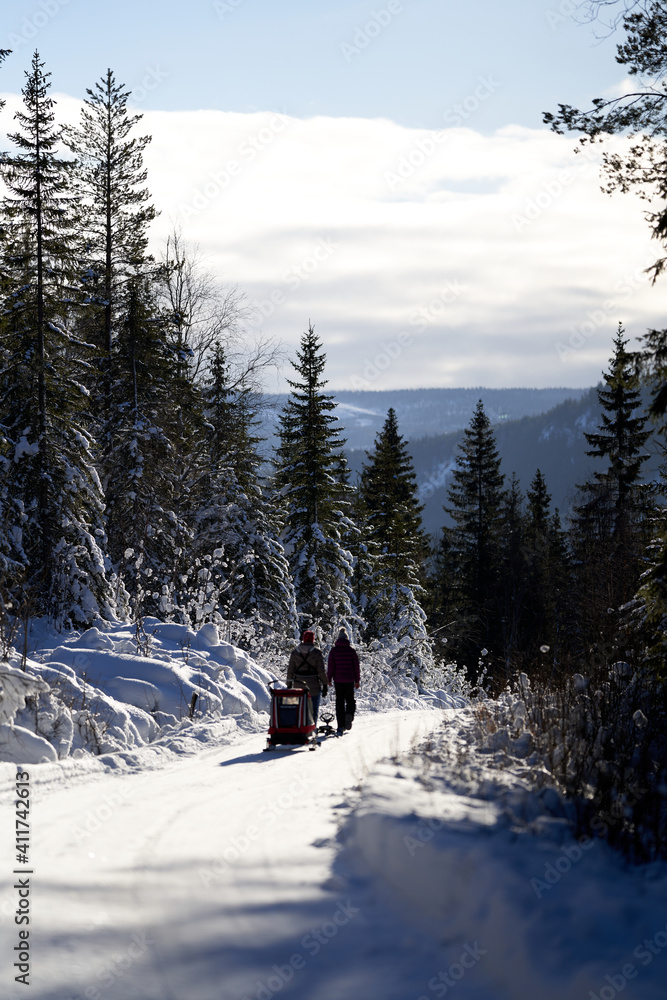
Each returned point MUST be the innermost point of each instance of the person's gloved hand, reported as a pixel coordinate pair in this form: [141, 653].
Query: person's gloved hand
[325, 691]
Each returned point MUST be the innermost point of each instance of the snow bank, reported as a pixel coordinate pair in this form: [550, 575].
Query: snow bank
[19, 744]
[117, 688]
[16, 742]
[545, 916]
[15, 686]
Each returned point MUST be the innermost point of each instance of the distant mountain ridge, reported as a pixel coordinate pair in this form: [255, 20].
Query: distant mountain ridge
[553, 441]
[425, 412]
[534, 428]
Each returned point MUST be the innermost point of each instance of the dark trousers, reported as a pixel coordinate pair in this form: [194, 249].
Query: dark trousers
[344, 701]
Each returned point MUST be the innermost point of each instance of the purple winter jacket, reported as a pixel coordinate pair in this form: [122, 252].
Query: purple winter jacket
[343, 663]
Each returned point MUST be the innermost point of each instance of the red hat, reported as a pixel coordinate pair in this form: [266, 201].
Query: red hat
[308, 636]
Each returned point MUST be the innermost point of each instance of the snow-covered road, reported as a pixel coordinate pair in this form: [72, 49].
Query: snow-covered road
[212, 878]
[201, 868]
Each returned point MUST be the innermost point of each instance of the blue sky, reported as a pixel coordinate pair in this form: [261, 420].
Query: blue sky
[257, 55]
[379, 168]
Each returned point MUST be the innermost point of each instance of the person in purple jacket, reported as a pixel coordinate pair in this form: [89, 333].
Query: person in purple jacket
[343, 670]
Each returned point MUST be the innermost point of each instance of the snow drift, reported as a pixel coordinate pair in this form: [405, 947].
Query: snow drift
[119, 687]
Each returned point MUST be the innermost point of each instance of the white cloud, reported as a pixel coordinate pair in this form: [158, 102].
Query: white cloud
[365, 227]
[631, 85]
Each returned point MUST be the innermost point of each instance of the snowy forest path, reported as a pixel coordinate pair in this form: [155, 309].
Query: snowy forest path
[209, 879]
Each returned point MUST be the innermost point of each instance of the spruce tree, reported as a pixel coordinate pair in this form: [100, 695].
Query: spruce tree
[51, 477]
[621, 437]
[539, 503]
[512, 582]
[474, 540]
[389, 493]
[392, 514]
[315, 501]
[114, 213]
[548, 581]
[610, 523]
[148, 534]
[365, 557]
[8, 565]
[239, 560]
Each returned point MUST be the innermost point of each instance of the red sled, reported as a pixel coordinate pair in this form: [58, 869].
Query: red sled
[292, 719]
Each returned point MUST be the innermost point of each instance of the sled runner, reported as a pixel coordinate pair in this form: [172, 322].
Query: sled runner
[292, 720]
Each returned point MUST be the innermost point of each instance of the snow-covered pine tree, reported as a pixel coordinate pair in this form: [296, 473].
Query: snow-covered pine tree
[364, 555]
[115, 212]
[9, 567]
[148, 536]
[205, 323]
[315, 502]
[57, 515]
[240, 564]
[394, 526]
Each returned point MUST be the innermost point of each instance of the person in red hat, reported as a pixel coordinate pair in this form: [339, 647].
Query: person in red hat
[343, 670]
[306, 669]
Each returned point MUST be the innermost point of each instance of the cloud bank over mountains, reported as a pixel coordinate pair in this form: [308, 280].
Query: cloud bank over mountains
[424, 258]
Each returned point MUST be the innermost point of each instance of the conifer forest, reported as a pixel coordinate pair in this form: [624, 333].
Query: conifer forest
[133, 481]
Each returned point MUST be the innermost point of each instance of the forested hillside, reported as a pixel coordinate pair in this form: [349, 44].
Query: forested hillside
[425, 412]
[135, 478]
[135, 485]
[197, 576]
[553, 442]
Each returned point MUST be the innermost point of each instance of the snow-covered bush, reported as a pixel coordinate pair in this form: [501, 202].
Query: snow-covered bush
[600, 733]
